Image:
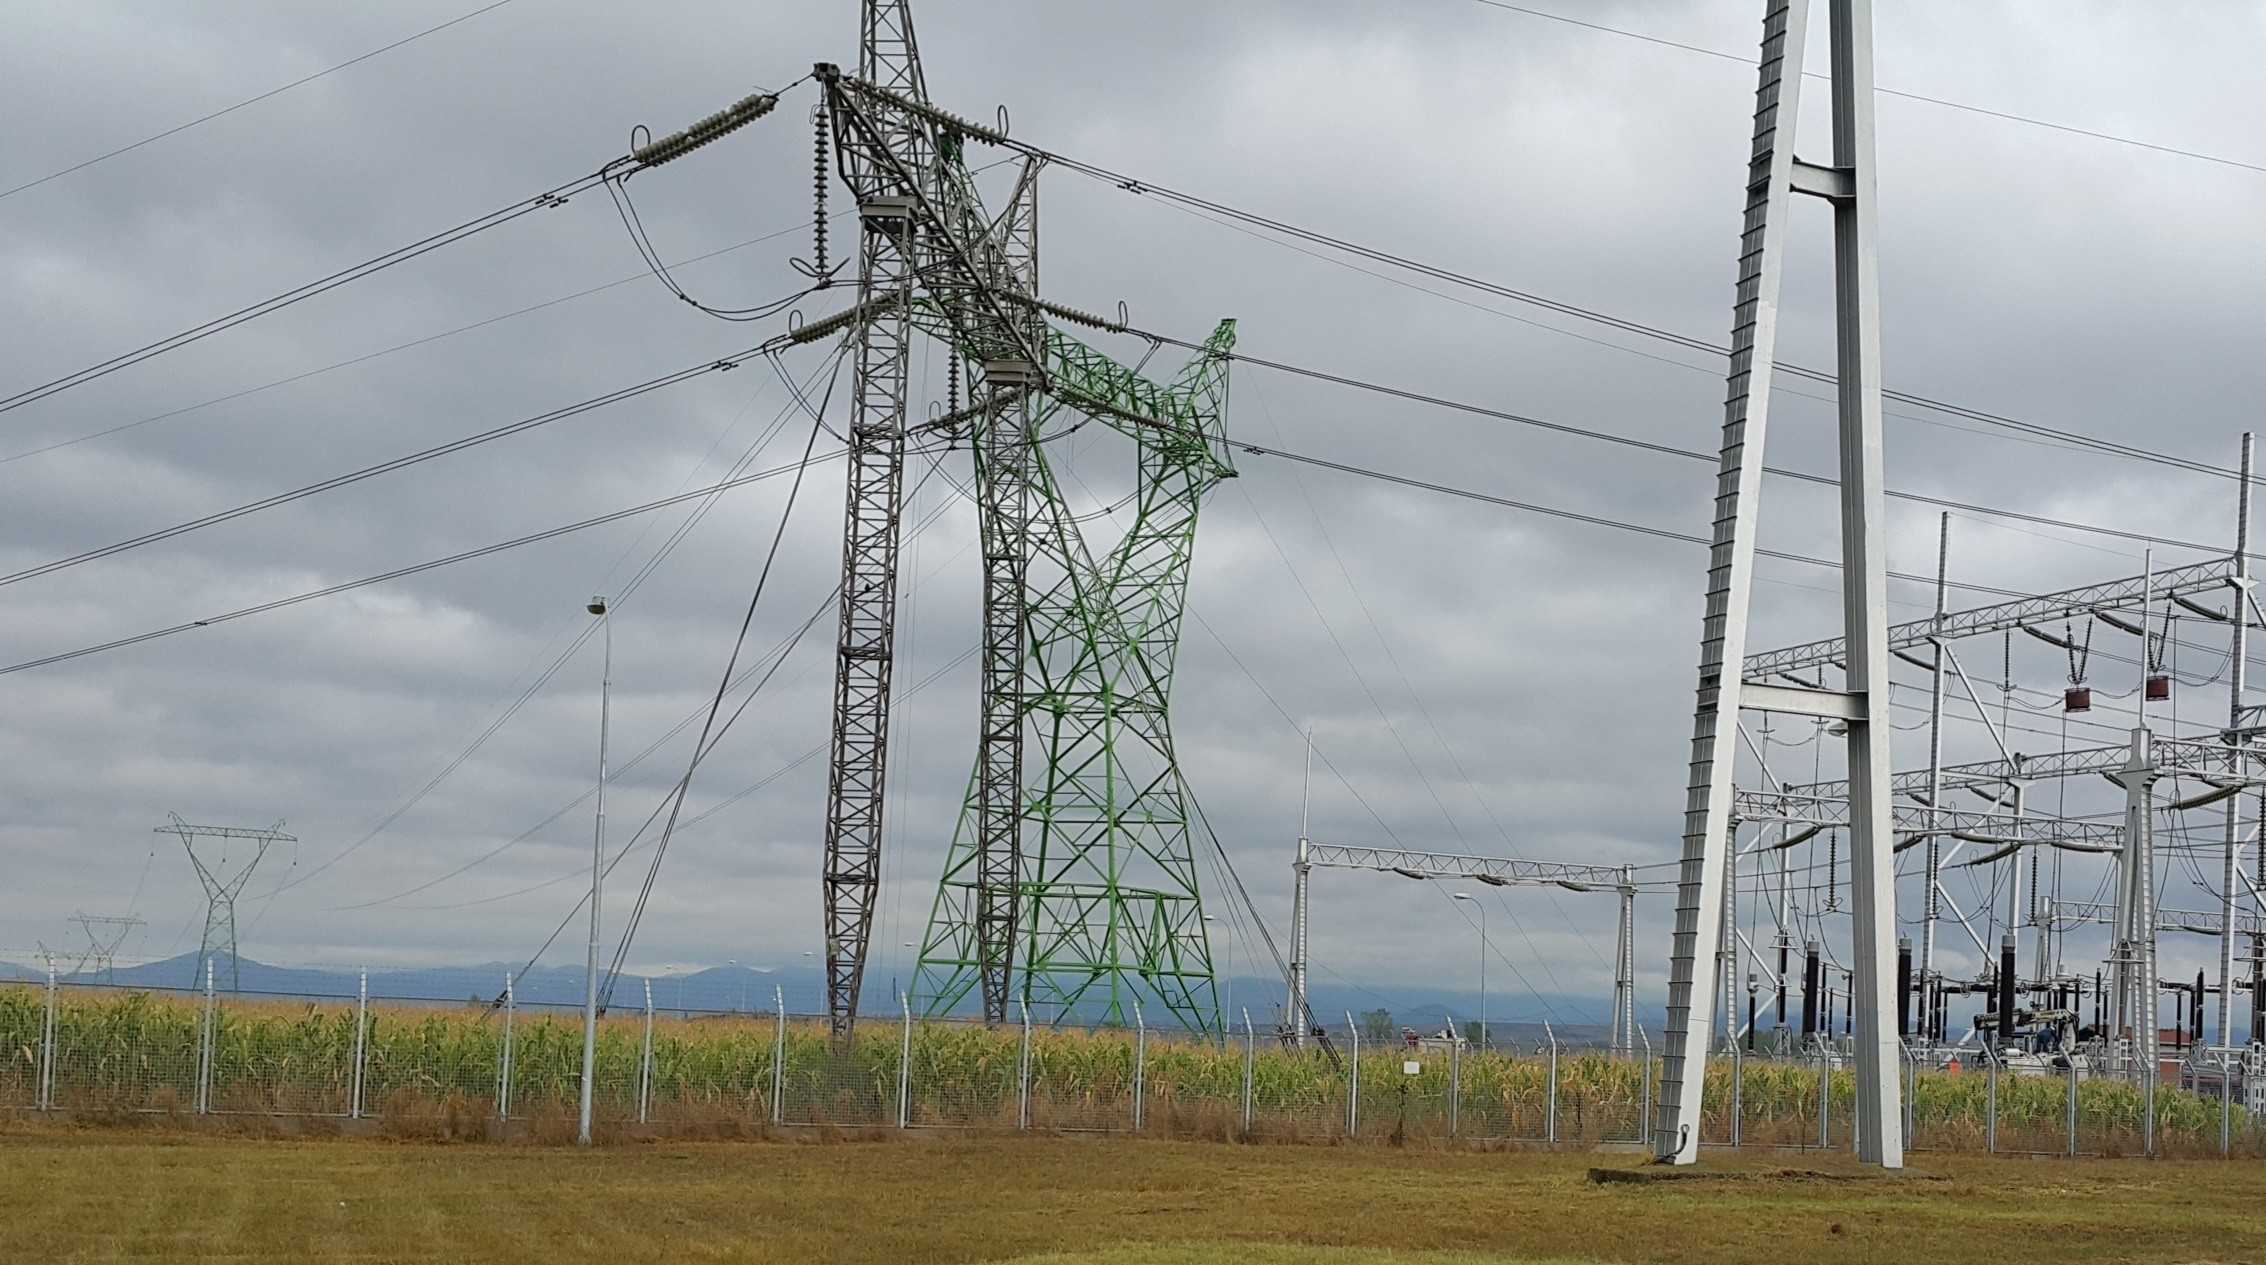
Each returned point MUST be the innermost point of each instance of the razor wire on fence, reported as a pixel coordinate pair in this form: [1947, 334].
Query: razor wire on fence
[101, 1051]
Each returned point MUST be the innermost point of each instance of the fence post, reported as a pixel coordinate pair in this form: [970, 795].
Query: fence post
[47, 1047]
[779, 1058]
[905, 1067]
[503, 1073]
[1990, 1100]
[1140, 1069]
[1738, 1086]
[361, 1039]
[645, 1061]
[2226, 1102]
[1550, 1111]
[1825, 1099]
[2072, 1104]
[1250, 1064]
[204, 1049]
[1644, 1114]
[1911, 1088]
[1353, 1080]
[1023, 1073]
[1455, 1078]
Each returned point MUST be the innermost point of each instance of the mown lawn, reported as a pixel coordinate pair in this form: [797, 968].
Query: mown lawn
[150, 1194]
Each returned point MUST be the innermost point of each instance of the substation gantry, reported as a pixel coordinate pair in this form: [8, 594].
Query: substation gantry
[2013, 832]
[1299, 1022]
[1071, 888]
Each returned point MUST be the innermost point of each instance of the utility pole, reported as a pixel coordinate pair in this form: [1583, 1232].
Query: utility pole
[1848, 184]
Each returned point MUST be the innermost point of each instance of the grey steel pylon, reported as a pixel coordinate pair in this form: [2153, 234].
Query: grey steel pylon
[1773, 175]
[223, 883]
[865, 650]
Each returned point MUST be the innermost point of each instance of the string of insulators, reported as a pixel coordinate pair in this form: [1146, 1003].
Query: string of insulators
[818, 183]
[739, 114]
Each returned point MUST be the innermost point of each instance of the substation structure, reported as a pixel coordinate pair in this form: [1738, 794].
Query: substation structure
[2033, 989]
[1300, 1029]
[1071, 889]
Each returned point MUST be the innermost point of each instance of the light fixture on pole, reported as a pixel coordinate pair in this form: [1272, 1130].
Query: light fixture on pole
[1475, 904]
[596, 607]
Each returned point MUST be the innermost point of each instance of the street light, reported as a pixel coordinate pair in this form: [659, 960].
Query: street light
[1475, 904]
[597, 607]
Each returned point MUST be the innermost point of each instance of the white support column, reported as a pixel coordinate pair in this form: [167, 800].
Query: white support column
[2133, 991]
[2238, 650]
[1301, 873]
[1625, 969]
[1864, 587]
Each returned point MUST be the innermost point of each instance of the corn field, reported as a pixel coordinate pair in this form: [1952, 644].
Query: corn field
[478, 1069]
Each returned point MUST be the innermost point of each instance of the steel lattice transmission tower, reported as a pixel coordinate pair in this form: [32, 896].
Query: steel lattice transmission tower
[1774, 175]
[1072, 880]
[223, 883]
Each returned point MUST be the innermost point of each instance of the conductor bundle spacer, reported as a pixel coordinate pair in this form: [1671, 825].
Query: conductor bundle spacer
[722, 123]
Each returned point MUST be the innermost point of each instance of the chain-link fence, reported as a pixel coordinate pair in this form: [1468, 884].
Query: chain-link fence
[474, 1065]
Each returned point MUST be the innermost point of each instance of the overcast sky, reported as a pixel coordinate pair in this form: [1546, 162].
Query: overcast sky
[1477, 679]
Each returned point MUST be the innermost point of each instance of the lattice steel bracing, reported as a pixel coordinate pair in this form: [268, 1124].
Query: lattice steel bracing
[866, 646]
[1108, 908]
[1072, 881]
[1773, 176]
[223, 881]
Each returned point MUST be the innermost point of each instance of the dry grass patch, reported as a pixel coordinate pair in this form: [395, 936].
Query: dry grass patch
[96, 1194]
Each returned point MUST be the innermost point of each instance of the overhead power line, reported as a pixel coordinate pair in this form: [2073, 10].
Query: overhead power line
[255, 100]
[1646, 445]
[1252, 219]
[2029, 120]
[386, 467]
[1595, 520]
[415, 568]
[667, 149]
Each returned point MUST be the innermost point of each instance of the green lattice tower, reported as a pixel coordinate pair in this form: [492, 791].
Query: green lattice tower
[1109, 907]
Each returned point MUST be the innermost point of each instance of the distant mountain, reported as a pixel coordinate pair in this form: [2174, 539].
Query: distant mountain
[740, 989]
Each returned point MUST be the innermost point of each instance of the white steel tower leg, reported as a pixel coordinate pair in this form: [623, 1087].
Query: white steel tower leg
[1730, 578]
[1864, 588]
[1774, 174]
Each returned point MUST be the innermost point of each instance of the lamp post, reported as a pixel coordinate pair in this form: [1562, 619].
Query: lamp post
[1475, 904]
[596, 607]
